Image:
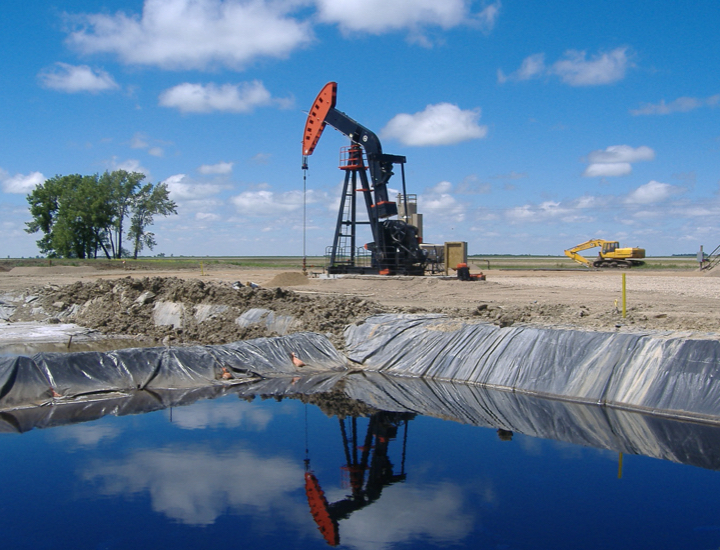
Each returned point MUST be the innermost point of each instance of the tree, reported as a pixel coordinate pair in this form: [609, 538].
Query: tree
[121, 188]
[44, 204]
[149, 201]
[81, 215]
[71, 212]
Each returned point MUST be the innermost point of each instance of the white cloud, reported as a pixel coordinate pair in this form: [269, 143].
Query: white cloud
[379, 16]
[442, 187]
[129, 165]
[680, 105]
[182, 188]
[575, 68]
[441, 124]
[194, 34]
[219, 168]
[532, 67]
[607, 170]
[489, 16]
[525, 213]
[234, 98]
[265, 203]
[652, 192]
[604, 68]
[207, 217]
[20, 183]
[622, 153]
[156, 151]
[547, 211]
[616, 160]
[76, 78]
[588, 201]
[442, 206]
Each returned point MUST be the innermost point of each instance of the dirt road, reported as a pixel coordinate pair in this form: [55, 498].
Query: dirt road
[677, 301]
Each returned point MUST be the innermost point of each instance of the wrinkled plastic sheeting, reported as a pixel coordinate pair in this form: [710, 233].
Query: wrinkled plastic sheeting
[670, 375]
[588, 425]
[45, 377]
[284, 386]
[118, 404]
[92, 407]
[580, 424]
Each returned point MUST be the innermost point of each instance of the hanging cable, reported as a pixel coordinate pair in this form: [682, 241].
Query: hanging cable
[307, 446]
[305, 169]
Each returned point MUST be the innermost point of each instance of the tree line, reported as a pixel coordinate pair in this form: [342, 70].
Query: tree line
[83, 216]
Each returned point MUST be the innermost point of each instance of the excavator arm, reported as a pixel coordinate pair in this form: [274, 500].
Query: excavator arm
[572, 253]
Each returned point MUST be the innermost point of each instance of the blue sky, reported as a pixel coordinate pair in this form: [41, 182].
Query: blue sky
[528, 127]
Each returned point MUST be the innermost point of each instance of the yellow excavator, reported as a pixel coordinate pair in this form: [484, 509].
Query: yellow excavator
[610, 255]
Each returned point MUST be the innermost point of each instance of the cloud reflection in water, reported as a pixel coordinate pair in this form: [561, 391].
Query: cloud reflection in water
[208, 414]
[409, 512]
[195, 486]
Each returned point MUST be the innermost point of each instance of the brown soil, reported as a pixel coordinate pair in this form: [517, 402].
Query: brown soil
[291, 278]
[685, 303]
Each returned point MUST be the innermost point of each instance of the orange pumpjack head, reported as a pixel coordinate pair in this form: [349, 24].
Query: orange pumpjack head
[319, 509]
[316, 117]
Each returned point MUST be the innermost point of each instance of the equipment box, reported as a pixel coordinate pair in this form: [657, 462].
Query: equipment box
[455, 253]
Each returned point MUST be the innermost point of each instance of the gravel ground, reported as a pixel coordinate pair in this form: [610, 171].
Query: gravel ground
[696, 287]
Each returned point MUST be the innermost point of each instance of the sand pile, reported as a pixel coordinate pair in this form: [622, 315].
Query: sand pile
[289, 278]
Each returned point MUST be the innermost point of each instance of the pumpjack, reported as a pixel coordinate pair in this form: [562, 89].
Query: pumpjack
[395, 248]
[369, 471]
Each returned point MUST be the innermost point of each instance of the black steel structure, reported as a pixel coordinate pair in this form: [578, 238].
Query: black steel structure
[395, 248]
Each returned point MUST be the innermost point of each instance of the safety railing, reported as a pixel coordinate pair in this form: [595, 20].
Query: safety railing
[711, 260]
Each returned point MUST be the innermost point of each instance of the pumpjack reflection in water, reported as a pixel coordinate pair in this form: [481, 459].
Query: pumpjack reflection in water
[368, 468]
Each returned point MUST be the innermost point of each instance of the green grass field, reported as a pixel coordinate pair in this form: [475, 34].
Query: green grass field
[317, 263]
[563, 262]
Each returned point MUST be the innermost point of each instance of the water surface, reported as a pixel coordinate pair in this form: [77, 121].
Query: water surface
[231, 472]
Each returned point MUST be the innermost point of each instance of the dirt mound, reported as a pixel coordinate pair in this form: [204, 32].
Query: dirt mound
[289, 278]
[204, 312]
[50, 270]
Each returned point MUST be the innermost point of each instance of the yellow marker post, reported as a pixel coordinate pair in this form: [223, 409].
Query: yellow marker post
[620, 458]
[624, 311]
[202, 272]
